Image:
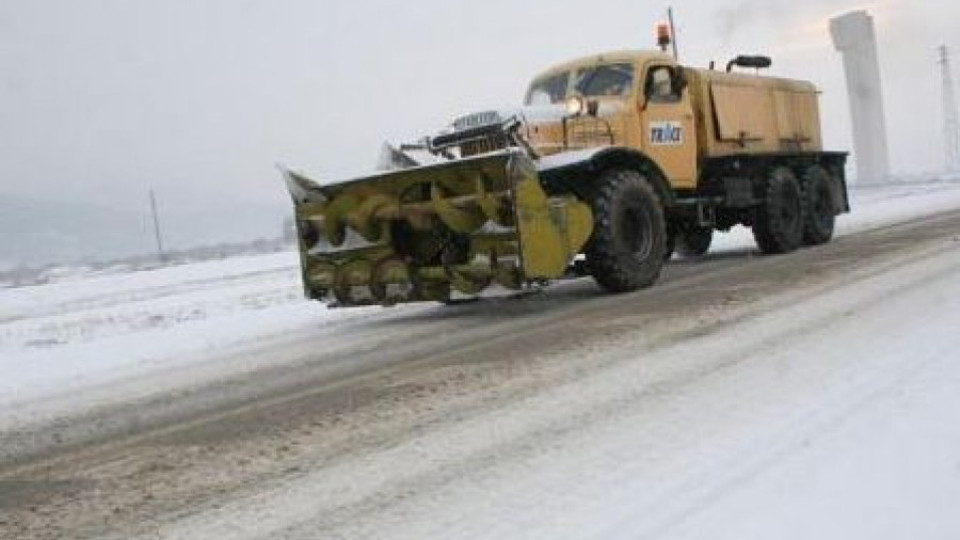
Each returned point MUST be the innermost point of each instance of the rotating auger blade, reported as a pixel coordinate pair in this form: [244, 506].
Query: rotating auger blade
[419, 233]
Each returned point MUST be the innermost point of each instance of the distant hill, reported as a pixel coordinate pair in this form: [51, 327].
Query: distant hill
[36, 233]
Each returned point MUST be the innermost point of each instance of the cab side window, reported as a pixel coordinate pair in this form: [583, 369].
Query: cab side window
[663, 85]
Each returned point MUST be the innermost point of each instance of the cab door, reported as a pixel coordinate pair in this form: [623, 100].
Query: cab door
[668, 125]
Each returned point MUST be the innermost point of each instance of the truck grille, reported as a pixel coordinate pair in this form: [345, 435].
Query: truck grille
[488, 144]
[473, 141]
[589, 132]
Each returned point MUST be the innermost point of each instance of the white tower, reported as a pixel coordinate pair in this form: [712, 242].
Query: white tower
[951, 121]
[854, 36]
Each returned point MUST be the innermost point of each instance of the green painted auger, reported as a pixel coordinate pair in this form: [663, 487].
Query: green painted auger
[417, 234]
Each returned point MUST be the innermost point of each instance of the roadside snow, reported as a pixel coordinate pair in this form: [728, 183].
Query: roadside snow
[66, 336]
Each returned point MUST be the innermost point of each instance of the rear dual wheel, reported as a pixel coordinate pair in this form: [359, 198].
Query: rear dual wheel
[820, 207]
[779, 222]
[795, 214]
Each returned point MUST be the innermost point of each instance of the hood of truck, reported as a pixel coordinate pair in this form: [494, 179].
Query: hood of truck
[550, 128]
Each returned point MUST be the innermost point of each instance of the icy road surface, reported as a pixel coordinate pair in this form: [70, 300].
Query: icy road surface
[814, 395]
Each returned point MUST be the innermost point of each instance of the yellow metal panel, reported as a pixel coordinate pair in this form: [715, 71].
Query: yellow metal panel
[798, 118]
[808, 109]
[551, 229]
[743, 113]
[749, 114]
[676, 153]
[787, 128]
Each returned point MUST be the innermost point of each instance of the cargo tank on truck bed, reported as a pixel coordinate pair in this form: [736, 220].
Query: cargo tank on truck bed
[614, 162]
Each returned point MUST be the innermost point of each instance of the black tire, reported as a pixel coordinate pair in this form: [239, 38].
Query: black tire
[626, 251]
[694, 241]
[778, 227]
[820, 215]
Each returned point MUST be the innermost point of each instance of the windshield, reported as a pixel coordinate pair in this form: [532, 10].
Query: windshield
[549, 90]
[594, 81]
[606, 80]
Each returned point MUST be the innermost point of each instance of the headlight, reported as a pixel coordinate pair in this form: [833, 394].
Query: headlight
[576, 105]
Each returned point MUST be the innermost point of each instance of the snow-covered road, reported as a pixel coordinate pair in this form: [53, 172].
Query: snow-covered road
[832, 416]
[813, 395]
[75, 335]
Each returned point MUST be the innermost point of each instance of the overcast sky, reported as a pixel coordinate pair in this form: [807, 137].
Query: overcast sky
[101, 100]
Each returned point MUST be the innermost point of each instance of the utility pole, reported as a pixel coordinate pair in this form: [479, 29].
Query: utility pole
[156, 226]
[951, 120]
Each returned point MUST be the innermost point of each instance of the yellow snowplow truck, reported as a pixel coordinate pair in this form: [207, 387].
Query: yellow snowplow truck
[614, 162]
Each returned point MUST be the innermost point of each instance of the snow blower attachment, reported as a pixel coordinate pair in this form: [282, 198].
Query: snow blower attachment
[421, 233]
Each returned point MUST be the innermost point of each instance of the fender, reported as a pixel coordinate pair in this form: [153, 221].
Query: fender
[573, 171]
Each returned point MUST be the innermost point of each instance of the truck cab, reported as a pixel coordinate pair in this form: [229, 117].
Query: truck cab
[629, 99]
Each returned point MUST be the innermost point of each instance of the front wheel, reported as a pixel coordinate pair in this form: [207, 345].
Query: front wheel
[626, 250]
